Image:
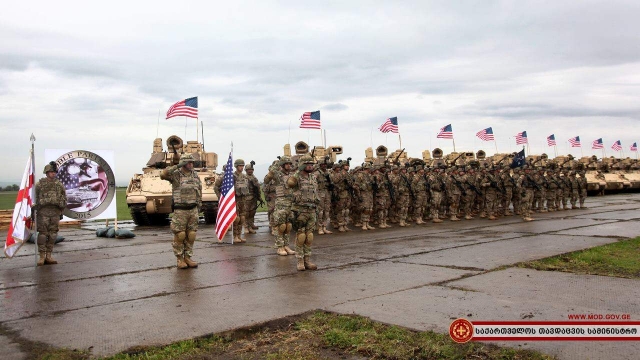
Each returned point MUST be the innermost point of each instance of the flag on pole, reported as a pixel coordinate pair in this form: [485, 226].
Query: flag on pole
[521, 138]
[446, 132]
[575, 141]
[634, 147]
[19, 228]
[617, 146]
[518, 160]
[187, 107]
[227, 202]
[597, 144]
[390, 125]
[310, 120]
[551, 140]
[486, 134]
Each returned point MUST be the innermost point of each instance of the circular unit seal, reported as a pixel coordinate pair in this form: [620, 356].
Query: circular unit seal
[89, 182]
[461, 330]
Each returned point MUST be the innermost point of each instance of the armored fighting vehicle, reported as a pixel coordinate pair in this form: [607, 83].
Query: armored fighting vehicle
[595, 181]
[610, 170]
[149, 198]
[630, 172]
[319, 152]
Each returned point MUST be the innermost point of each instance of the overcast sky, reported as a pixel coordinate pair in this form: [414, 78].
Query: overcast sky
[87, 75]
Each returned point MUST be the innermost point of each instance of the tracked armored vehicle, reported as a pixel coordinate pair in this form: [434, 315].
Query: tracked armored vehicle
[149, 197]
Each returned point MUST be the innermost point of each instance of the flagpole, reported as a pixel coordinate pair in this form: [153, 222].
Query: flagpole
[35, 218]
[454, 144]
[197, 131]
[325, 139]
[495, 143]
[185, 128]
[400, 139]
[321, 137]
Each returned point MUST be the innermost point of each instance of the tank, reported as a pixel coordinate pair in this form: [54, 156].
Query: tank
[500, 159]
[595, 181]
[149, 197]
[629, 170]
[379, 157]
[318, 152]
[614, 180]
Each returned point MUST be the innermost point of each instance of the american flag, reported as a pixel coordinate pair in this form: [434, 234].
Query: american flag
[551, 140]
[521, 138]
[227, 202]
[634, 147]
[446, 132]
[597, 144]
[20, 226]
[390, 125]
[486, 134]
[575, 142]
[187, 107]
[617, 146]
[310, 120]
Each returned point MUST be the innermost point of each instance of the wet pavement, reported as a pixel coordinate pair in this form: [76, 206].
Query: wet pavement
[107, 295]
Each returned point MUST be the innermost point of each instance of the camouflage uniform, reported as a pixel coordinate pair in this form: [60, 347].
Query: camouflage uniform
[252, 199]
[187, 200]
[436, 185]
[363, 188]
[241, 186]
[51, 200]
[526, 187]
[282, 215]
[507, 184]
[539, 192]
[517, 194]
[551, 192]
[382, 198]
[305, 200]
[342, 182]
[454, 192]
[575, 189]
[560, 202]
[404, 197]
[269, 190]
[469, 194]
[394, 177]
[582, 189]
[419, 186]
[490, 184]
[566, 191]
[324, 194]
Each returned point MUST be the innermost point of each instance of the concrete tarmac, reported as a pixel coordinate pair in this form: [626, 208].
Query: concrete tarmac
[107, 295]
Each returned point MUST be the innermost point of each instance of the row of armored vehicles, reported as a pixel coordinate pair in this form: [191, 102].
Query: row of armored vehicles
[149, 197]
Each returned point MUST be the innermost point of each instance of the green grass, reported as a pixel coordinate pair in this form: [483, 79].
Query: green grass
[7, 199]
[619, 259]
[320, 335]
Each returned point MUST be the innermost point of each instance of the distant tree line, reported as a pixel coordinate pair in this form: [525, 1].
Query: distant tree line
[13, 187]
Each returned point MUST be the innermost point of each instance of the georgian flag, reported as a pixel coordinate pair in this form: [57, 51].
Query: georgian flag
[20, 226]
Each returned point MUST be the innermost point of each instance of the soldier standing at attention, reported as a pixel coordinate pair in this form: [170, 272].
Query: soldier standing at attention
[269, 189]
[282, 216]
[324, 193]
[363, 187]
[582, 188]
[526, 186]
[436, 185]
[187, 200]
[305, 200]
[253, 198]
[241, 185]
[51, 199]
[574, 188]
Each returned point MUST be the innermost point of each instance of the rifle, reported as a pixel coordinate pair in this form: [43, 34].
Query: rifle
[535, 185]
[474, 188]
[458, 184]
[427, 185]
[398, 157]
[390, 188]
[413, 196]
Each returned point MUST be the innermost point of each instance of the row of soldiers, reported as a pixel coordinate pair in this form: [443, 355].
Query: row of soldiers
[375, 195]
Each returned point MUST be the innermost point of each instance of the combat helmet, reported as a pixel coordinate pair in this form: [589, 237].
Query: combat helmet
[250, 166]
[50, 167]
[238, 162]
[304, 161]
[285, 160]
[186, 158]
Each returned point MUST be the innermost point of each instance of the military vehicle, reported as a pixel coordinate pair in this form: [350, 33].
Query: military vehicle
[631, 173]
[503, 159]
[149, 198]
[318, 152]
[595, 182]
[610, 171]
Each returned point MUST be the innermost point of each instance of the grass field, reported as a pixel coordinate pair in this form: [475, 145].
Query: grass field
[8, 200]
[620, 259]
[317, 335]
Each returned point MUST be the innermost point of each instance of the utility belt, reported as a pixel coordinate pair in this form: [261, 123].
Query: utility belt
[184, 206]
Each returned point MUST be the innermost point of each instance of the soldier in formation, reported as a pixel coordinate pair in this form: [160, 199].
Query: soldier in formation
[51, 200]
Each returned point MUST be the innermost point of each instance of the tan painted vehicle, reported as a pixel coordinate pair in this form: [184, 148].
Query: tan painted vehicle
[611, 173]
[595, 181]
[149, 197]
[629, 170]
[318, 152]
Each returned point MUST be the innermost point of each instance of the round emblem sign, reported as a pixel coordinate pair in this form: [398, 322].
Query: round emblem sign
[88, 181]
[461, 330]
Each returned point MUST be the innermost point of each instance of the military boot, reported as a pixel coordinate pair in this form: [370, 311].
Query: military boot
[181, 264]
[454, 218]
[300, 265]
[320, 230]
[326, 231]
[369, 226]
[528, 218]
[436, 220]
[341, 228]
[364, 226]
[288, 250]
[491, 217]
[48, 260]
[402, 223]
[308, 264]
[419, 221]
[468, 217]
[238, 239]
[190, 263]
[281, 251]
[42, 257]
[250, 230]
